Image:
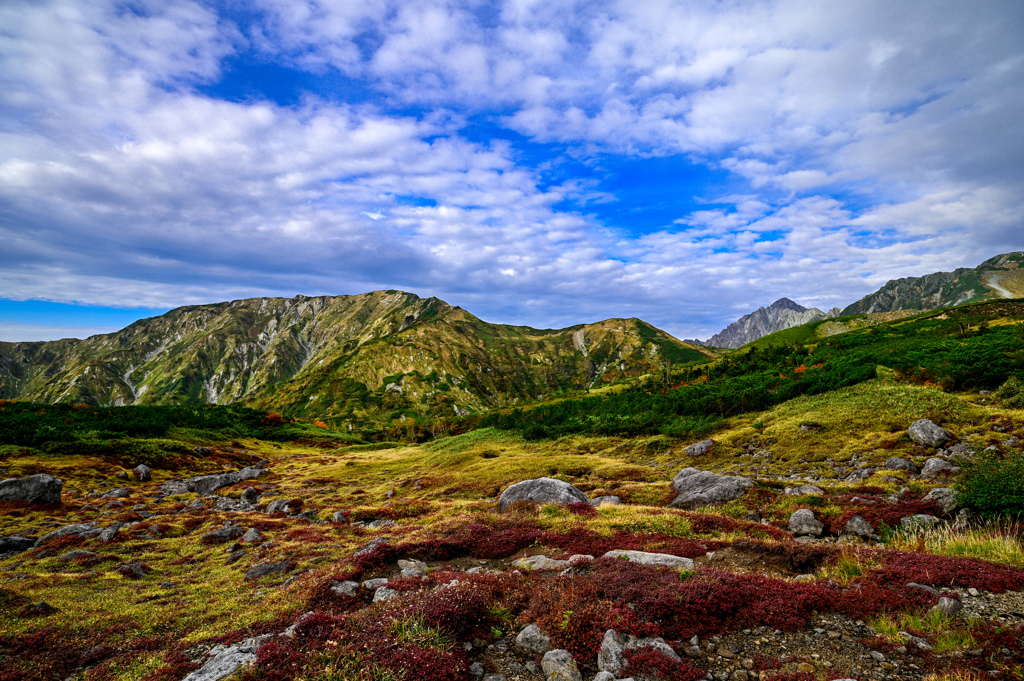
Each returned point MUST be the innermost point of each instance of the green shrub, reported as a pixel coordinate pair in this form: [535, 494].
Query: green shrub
[1012, 392]
[993, 485]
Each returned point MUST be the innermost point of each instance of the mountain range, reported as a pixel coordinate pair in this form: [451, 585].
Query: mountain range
[998, 277]
[391, 357]
[379, 357]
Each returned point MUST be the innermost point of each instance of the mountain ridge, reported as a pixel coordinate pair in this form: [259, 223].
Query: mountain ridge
[1001, 276]
[355, 360]
[780, 315]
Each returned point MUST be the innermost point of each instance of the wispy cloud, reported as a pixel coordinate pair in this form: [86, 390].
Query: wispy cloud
[861, 141]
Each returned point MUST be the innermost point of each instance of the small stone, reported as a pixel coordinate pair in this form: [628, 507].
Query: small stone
[927, 434]
[346, 588]
[973, 592]
[533, 640]
[948, 606]
[945, 498]
[40, 609]
[223, 534]
[934, 467]
[264, 569]
[417, 566]
[476, 669]
[858, 527]
[252, 535]
[559, 665]
[250, 495]
[142, 472]
[540, 563]
[803, 523]
[604, 676]
[373, 584]
[384, 593]
[699, 448]
[119, 493]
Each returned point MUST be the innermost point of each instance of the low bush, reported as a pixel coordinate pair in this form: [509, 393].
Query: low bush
[992, 484]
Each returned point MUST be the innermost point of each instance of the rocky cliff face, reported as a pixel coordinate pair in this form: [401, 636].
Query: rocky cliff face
[998, 277]
[782, 314]
[359, 359]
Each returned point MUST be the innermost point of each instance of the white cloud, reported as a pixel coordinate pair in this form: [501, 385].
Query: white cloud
[877, 139]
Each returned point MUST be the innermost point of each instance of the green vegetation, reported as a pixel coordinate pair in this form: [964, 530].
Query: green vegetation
[993, 484]
[975, 347]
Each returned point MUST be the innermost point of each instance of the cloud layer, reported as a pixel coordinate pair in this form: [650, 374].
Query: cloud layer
[461, 150]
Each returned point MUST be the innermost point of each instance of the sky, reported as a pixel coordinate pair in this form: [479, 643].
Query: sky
[544, 163]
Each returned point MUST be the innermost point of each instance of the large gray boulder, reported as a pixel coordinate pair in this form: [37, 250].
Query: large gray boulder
[35, 489]
[927, 434]
[78, 529]
[803, 524]
[542, 491]
[228, 661]
[16, 544]
[695, 488]
[207, 484]
[647, 558]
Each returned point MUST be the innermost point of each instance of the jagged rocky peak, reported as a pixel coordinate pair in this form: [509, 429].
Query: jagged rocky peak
[782, 314]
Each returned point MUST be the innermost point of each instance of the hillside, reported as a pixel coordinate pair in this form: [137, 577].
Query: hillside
[998, 277]
[353, 361]
[846, 548]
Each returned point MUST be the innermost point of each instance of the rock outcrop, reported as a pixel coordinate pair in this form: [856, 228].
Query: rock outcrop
[35, 489]
[541, 491]
[695, 488]
[782, 314]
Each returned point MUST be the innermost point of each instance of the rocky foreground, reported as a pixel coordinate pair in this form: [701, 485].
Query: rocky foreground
[261, 573]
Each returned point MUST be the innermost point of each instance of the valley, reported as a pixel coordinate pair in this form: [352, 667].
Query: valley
[814, 506]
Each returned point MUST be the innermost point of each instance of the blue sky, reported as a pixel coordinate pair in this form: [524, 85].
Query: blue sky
[542, 163]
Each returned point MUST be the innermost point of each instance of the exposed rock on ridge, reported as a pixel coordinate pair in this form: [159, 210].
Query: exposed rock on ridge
[998, 277]
[782, 314]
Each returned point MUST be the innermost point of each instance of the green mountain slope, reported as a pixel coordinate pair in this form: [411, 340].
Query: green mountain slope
[351, 360]
[998, 277]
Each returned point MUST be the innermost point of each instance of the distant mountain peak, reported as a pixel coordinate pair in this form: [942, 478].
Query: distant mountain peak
[782, 314]
[787, 304]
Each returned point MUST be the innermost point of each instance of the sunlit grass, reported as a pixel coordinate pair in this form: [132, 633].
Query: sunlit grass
[946, 634]
[847, 567]
[998, 541]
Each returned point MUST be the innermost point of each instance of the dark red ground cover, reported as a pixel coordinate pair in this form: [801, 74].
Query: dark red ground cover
[880, 513]
[901, 568]
[652, 664]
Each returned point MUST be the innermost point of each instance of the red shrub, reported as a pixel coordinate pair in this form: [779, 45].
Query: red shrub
[880, 513]
[582, 509]
[651, 663]
[278, 660]
[902, 568]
